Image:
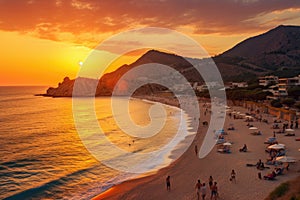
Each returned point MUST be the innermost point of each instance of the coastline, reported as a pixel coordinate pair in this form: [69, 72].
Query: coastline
[171, 102]
[139, 179]
[185, 170]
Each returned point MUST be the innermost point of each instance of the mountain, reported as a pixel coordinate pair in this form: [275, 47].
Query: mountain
[274, 52]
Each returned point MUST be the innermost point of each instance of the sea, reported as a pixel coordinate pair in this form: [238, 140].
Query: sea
[42, 155]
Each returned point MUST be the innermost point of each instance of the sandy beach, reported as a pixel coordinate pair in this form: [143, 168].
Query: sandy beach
[189, 168]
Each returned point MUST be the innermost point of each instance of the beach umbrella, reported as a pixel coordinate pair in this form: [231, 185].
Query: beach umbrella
[276, 146]
[242, 114]
[286, 159]
[248, 116]
[289, 130]
[220, 132]
[227, 144]
[253, 128]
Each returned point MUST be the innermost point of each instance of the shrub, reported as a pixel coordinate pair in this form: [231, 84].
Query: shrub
[288, 101]
[279, 191]
[276, 103]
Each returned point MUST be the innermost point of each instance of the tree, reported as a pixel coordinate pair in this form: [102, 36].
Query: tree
[288, 101]
[294, 92]
[297, 105]
[276, 103]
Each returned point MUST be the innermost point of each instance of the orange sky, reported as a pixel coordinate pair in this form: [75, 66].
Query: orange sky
[44, 41]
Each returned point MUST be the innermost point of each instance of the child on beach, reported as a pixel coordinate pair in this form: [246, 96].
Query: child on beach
[232, 176]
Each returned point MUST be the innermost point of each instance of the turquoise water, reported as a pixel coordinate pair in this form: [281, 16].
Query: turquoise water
[42, 156]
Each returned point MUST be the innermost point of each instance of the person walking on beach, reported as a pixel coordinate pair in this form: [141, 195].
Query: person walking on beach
[292, 125]
[210, 181]
[232, 176]
[198, 188]
[168, 182]
[203, 191]
[214, 191]
[196, 149]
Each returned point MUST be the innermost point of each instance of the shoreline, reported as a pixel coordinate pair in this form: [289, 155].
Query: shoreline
[149, 99]
[153, 186]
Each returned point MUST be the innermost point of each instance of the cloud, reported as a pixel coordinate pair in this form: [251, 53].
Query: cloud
[57, 19]
[277, 17]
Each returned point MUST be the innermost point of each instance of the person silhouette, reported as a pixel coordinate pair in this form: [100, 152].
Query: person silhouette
[168, 182]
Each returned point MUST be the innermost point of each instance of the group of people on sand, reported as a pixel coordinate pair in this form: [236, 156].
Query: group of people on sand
[285, 125]
[277, 171]
[201, 188]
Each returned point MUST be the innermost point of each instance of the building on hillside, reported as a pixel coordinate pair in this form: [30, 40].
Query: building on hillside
[286, 83]
[202, 88]
[268, 80]
[238, 85]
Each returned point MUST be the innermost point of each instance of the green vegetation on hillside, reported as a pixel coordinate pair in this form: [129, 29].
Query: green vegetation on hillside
[286, 191]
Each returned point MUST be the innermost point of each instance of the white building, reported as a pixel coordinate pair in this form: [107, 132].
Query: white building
[285, 83]
[268, 80]
[238, 84]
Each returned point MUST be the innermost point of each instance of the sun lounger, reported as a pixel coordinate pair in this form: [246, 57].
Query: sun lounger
[224, 151]
[269, 177]
[290, 134]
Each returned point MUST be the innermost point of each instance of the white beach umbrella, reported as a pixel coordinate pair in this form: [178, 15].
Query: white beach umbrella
[253, 128]
[248, 116]
[276, 146]
[286, 159]
[289, 130]
[227, 144]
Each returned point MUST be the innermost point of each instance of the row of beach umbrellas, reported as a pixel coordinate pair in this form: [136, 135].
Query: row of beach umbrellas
[285, 159]
[255, 128]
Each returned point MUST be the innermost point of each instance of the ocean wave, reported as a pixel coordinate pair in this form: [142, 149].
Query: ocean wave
[38, 191]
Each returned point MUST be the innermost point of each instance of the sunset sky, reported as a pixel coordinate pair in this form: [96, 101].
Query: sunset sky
[42, 41]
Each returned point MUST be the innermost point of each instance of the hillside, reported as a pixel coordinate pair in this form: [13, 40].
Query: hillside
[274, 52]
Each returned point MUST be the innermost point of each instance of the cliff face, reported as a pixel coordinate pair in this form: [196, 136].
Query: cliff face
[64, 89]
